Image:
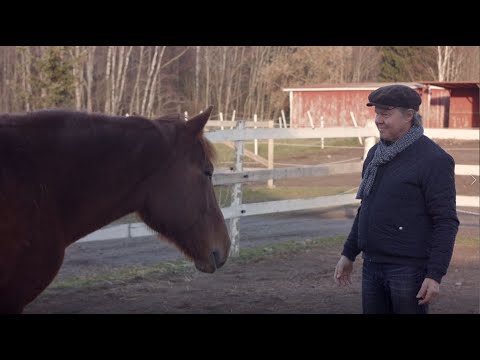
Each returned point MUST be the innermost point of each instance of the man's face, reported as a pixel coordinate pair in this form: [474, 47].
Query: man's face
[391, 123]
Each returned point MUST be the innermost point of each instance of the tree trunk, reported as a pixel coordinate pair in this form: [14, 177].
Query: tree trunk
[135, 100]
[153, 90]
[221, 81]
[151, 71]
[197, 75]
[113, 74]
[90, 69]
[444, 54]
[365, 61]
[207, 76]
[77, 76]
[25, 61]
[124, 76]
[107, 80]
[14, 83]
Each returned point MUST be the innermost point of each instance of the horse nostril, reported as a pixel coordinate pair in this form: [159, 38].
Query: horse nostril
[216, 256]
[216, 262]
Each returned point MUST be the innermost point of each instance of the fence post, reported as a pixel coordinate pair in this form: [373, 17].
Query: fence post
[270, 154]
[233, 119]
[284, 120]
[322, 125]
[255, 142]
[237, 195]
[356, 126]
[221, 120]
[369, 141]
[311, 120]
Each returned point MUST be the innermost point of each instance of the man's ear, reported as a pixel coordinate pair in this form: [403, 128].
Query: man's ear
[196, 124]
[410, 114]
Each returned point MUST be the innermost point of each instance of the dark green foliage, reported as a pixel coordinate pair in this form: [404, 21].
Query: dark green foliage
[407, 63]
[54, 81]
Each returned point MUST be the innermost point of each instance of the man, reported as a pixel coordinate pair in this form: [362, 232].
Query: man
[406, 223]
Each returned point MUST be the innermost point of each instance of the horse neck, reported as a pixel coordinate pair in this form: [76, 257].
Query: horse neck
[110, 183]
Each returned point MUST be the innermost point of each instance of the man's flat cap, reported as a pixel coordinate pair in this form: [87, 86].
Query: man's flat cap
[395, 96]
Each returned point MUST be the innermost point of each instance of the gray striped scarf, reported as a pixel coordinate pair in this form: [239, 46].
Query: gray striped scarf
[384, 154]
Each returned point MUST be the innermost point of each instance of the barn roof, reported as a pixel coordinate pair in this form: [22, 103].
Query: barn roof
[351, 86]
[453, 84]
[375, 85]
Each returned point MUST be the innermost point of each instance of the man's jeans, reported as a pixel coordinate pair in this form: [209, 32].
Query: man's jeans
[392, 288]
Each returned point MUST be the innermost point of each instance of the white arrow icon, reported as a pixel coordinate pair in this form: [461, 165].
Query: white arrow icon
[474, 179]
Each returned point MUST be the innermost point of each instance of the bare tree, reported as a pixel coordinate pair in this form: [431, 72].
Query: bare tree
[207, 76]
[444, 54]
[77, 69]
[108, 98]
[7, 78]
[89, 70]
[121, 76]
[248, 79]
[197, 75]
[25, 63]
[470, 69]
[157, 77]
[152, 91]
[151, 69]
[135, 98]
[365, 63]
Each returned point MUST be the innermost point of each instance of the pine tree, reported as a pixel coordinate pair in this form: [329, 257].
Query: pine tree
[407, 63]
[55, 79]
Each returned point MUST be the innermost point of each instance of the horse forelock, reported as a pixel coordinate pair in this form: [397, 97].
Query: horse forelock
[208, 149]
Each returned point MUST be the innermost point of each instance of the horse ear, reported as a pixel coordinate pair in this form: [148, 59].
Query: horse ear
[196, 124]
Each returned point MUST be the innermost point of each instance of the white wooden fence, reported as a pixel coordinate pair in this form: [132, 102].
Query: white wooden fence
[238, 177]
[237, 209]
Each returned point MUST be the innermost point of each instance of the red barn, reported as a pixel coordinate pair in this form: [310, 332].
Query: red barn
[462, 103]
[452, 104]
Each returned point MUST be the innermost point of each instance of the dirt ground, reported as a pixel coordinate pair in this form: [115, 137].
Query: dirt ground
[299, 280]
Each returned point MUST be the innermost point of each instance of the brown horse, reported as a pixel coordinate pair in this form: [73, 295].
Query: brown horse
[65, 174]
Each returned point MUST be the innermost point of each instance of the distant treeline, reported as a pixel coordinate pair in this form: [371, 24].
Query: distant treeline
[156, 80]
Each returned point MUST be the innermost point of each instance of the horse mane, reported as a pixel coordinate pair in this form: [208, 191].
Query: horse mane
[54, 118]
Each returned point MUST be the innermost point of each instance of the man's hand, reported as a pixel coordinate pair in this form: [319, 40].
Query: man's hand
[343, 270]
[429, 290]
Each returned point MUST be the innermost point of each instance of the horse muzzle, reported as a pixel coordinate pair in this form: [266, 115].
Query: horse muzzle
[214, 262]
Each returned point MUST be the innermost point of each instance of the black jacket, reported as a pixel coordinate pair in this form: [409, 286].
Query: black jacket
[410, 215]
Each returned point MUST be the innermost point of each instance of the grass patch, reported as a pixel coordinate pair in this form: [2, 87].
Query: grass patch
[263, 193]
[283, 152]
[247, 255]
[225, 155]
[467, 241]
[178, 267]
[288, 247]
[127, 219]
[255, 193]
[125, 274]
[284, 148]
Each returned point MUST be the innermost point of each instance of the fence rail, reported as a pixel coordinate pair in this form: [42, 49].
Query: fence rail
[467, 170]
[283, 173]
[278, 206]
[239, 177]
[332, 132]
